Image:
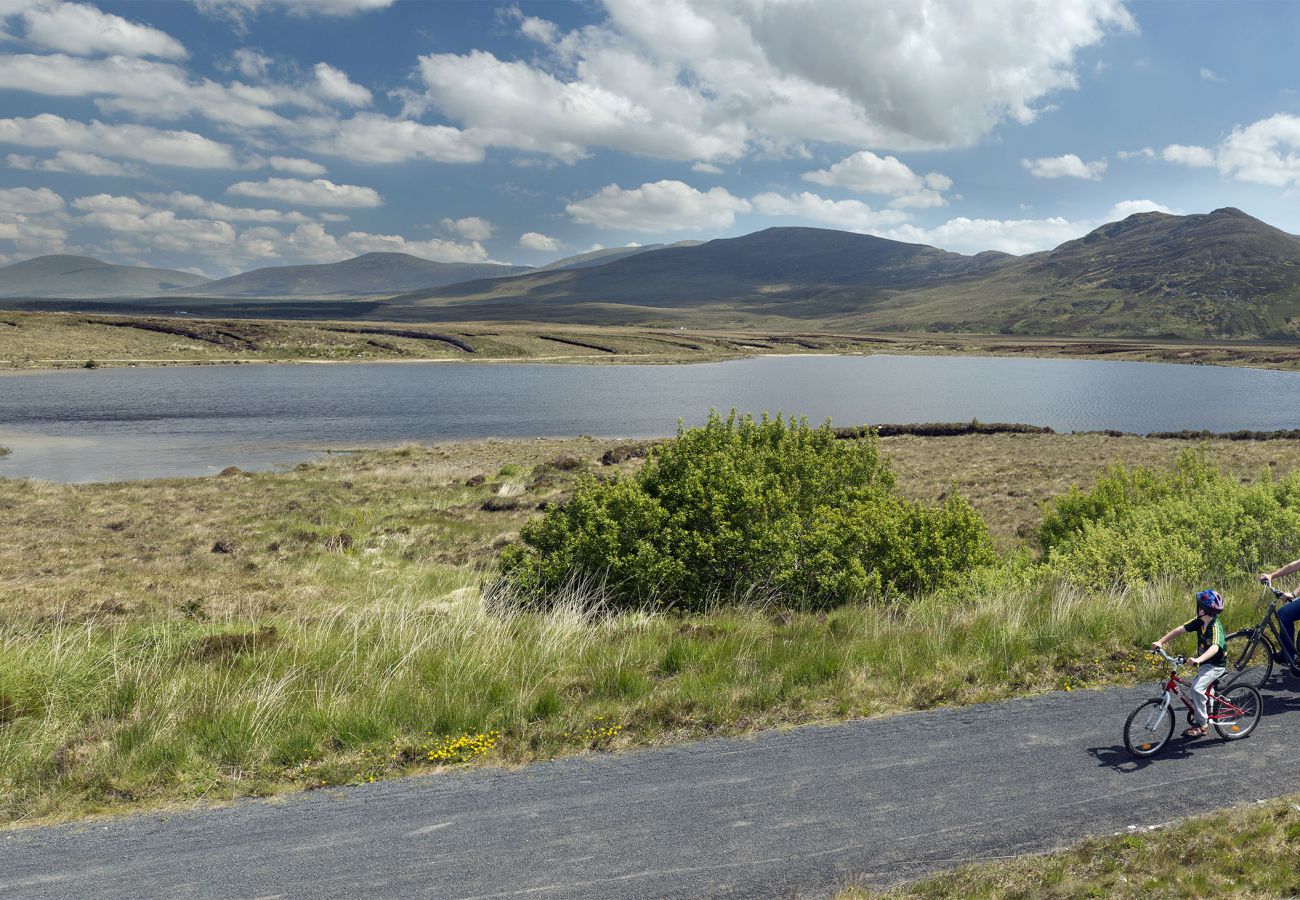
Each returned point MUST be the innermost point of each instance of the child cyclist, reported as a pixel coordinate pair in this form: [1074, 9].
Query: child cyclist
[1211, 659]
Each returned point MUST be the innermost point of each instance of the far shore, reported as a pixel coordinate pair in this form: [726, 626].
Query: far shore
[42, 342]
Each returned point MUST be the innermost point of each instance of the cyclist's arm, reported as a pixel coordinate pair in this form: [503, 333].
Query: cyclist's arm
[1181, 629]
[1289, 569]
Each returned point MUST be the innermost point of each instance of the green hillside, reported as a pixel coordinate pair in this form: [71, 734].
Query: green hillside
[83, 277]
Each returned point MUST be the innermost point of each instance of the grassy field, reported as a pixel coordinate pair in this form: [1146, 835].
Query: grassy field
[30, 340]
[202, 639]
[1246, 852]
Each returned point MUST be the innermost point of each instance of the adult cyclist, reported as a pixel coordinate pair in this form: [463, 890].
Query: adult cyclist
[1287, 614]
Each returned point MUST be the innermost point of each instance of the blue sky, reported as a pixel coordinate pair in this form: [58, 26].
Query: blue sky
[224, 135]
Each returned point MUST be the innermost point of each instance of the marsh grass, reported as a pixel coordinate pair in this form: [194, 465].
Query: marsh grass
[141, 668]
[1248, 852]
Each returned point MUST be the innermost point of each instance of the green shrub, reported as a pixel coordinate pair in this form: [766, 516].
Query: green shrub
[739, 508]
[1193, 522]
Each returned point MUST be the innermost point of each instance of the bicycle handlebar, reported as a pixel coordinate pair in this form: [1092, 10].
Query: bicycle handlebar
[1172, 660]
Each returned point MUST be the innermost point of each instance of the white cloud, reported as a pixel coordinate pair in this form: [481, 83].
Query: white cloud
[169, 148]
[81, 29]
[1263, 152]
[70, 161]
[162, 229]
[471, 228]
[149, 89]
[710, 81]
[1144, 153]
[212, 210]
[252, 63]
[1067, 166]
[311, 242]
[334, 85]
[706, 168]
[1019, 236]
[295, 166]
[1188, 156]
[1209, 75]
[372, 138]
[868, 173]
[296, 7]
[532, 240]
[849, 215]
[317, 192]
[1126, 208]
[28, 201]
[658, 206]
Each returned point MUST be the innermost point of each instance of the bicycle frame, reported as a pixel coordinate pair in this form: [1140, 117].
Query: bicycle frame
[1267, 625]
[1217, 708]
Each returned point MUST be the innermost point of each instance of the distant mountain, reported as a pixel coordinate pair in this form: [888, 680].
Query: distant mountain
[1218, 274]
[783, 271]
[608, 255]
[370, 275]
[83, 277]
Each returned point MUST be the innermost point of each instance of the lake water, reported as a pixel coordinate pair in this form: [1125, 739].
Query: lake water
[115, 424]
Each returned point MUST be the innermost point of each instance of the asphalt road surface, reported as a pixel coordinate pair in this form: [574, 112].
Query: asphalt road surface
[795, 813]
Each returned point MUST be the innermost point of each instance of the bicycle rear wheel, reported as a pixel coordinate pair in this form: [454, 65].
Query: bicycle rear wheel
[1250, 661]
[1237, 711]
[1149, 728]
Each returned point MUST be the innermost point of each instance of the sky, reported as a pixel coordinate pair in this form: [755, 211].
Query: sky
[218, 136]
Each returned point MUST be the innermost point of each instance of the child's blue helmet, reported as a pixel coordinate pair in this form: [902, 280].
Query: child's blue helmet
[1211, 601]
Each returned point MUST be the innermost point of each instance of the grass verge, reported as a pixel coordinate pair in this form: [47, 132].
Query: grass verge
[1247, 852]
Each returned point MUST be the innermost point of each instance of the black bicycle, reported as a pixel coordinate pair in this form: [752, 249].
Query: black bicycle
[1251, 651]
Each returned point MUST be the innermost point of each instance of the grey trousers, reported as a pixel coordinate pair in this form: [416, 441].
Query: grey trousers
[1204, 676]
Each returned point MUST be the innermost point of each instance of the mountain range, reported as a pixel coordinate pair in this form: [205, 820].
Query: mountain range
[1219, 274]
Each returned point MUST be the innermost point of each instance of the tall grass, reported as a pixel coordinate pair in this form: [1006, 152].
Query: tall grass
[101, 716]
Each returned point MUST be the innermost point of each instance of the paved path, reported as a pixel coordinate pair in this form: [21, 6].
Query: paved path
[781, 814]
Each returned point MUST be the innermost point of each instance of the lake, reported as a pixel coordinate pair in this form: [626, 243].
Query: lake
[112, 424]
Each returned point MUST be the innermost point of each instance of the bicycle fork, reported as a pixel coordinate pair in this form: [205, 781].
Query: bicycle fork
[1156, 718]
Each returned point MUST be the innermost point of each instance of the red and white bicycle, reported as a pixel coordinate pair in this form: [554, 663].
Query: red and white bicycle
[1234, 712]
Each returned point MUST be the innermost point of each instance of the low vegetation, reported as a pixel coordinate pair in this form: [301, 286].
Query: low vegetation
[1248, 852]
[177, 640]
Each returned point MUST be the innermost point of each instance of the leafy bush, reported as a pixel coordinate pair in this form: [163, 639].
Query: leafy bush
[1191, 521]
[738, 507]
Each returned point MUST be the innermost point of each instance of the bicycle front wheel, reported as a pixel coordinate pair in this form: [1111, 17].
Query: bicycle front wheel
[1250, 660]
[1149, 727]
[1237, 711]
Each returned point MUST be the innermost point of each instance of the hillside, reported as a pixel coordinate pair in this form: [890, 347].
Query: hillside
[370, 275]
[83, 277]
[607, 255]
[800, 272]
[1219, 274]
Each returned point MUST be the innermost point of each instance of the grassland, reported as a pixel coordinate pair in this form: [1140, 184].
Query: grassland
[33, 341]
[202, 639]
[1247, 852]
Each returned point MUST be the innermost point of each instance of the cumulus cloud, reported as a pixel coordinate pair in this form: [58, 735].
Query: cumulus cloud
[295, 7]
[1264, 152]
[82, 29]
[70, 161]
[532, 240]
[211, 209]
[334, 85]
[317, 192]
[868, 173]
[30, 200]
[1019, 236]
[295, 166]
[168, 148]
[372, 138]
[471, 228]
[658, 206]
[1188, 156]
[848, 215]
[149, 89]
[708, 81]
[706, 168]
[1144, 153]
[1067, 166]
